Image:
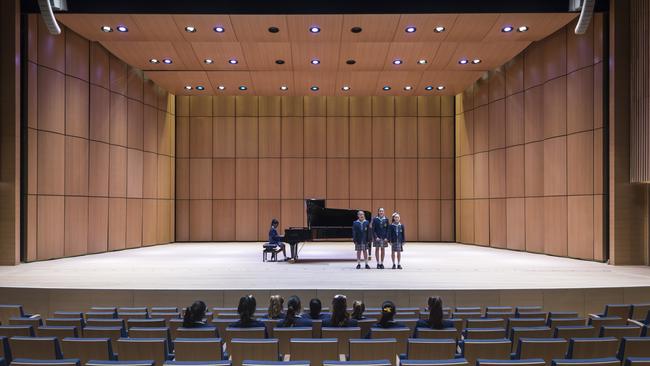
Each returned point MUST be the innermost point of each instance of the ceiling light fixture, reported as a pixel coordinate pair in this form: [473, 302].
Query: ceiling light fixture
[345, 88]
[408, 88]
[284, 88]
[190, 29]
[122, 28]
[428, 87]
[154, 61]
[167, 61]
[463, 61]
[221, 87]
[350, 62]
[200, 87]
[274, 29]
[208, 61]
[233, 61]
[314, 29]
[315, 61]
[243, 87]
[218, 29]
[439, 29]
[410, 29]
[422, 62]
[522, 29]
[314, 88]
[440, 87]
[188, 87]
[476, 61]
[279, 62]
[506, 29]
[397, 62]
[106, 29]
[356, 30]
[386, 88]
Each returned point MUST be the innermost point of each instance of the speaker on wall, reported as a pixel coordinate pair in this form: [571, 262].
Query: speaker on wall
[47, 12]
[586, 13]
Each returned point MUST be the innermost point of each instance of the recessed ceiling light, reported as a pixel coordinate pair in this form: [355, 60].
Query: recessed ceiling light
[233, 61]
[386, 87]
[410, 29]
[350, 62]
[422, 62]
[122, 28]
[314, 88]
[463, 61]
[188, 87]
[506, 29]
[397, 62]
[190, 29]
[315, 61]
[523, 28]
[284, 88]
[221, 87]
[356, 30]
[314, 29]
[208, 61]
[345, 88]
[428, 87]
[476, 61]
[154, 61]
[218, 29]
[408, 88]
[274, 29]
[106, 29]
[279, 62]
[167, 61]
[439, 29]
[243, 87]
[200, 87]
[440, 87]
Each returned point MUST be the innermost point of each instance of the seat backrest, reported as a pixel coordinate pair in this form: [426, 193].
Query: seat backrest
[580, 331]
[104, 308]
[634, 347]
[231, 316]
[198, 349]
[143, 349]
[16, 331]
[316, 327]
[59, 332]
[446, 333]
[608, 361]
[39, 348]
[284, 335]
[499, 309]
[34, 322]
[484, 333]
[640, 311]
[274, 363]
[101, 315]
[467, 309]
[147, 332]
[121, 363]
[132, 309]
[451, 362]
[86, 349]
[528, 309]
[523, 362]
[365, 325]
[33, 362]
[620, 331]
[401, 335]
[620, 310]
[557, 322]
[598, 322]
[65, 322]
[430, 349]
[243, 333]
[467, 315]
[524, 322]
[491, 349]
[146, 323]
[205, 332]
[165, 316]
[132, 315]
[637, 361]
[270, 325]
[532, 315]
[5, 351]
[112, 322]
[68, 314]
[164, 309]
[562, 314]
[175, 324]
[10, 311]
[529, 332]
[253, 349]
[221, 325]
[315, 350]
[343, 335]
[592, 347]
[374, 349]
[113, 333]
[544, 348]
[357, 363]
[500, 314]
[485, 323]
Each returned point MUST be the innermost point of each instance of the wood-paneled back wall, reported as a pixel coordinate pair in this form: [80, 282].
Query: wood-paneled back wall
[100, 150]
[243, 160]
[529, 150]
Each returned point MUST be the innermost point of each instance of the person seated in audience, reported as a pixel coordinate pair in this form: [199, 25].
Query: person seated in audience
[275, 239]
[436, 319]
[246, 310]
[358, 307]
[387, 319]
[293, 318]
[340, 317]
[195, 315]
[276, 306]
[315, 308]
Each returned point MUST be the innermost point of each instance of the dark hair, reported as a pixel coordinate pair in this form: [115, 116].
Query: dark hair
[358, 308]
[340, 314]
[435, 312]
[293, 310]
[387, 313]
[274, 222]
[246, 308]
[315, 307]
[194, 313]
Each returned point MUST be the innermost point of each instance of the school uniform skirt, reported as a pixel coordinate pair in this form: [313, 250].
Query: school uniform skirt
[380, 243]
[360, 246]
[397, 247]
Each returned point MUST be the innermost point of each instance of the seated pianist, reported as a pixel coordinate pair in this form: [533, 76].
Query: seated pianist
[275, 239]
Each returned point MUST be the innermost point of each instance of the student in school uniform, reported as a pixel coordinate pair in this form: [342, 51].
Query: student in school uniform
[275, 238]
[293, 317]
[194, 315]
[387, 320]
[360, 238]
[396, 239]
[340, 317]
[358, 307]
[246, 310]
[380, 236]
[315, 310]
[436, 319]
[276, 307]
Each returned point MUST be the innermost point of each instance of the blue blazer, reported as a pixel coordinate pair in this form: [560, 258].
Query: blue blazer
[394, 236]
[274, 238]
[360, 232]
[380, 227]
[297, 322]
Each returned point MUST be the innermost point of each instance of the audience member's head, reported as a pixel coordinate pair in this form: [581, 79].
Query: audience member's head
[276, 303]
[293, 310]
[315, 307]
[246, 308]
[339, 310]
[194, 313]
[435, 312]
[387, 313]
[358, 307]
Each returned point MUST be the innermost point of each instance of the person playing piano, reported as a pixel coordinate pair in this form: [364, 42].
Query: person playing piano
[360, 238]
[380, 236]
[275, 239]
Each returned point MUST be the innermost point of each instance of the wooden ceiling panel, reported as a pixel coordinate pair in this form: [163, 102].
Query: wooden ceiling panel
[270, 82]
[539, 26]
[157, 27]
[187, 56]
[175, 81]
[374, 27]
[398, 80]
[304, 80]
[330, 28]
[409, 53]
[491, 54]
[255, 28]
[360, 82]
[425, 25]
[444, 54]
[138, 54]
[471, 27]
[220, 53]
[89, 26]
[453, 81]
[204, 25]
[263, 55]
[231, 80]
[326, 52]
[368, 55]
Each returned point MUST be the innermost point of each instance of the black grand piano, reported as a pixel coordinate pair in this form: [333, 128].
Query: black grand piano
[322, 224]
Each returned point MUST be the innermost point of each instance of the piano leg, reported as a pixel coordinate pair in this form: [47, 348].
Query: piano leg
[294, 251]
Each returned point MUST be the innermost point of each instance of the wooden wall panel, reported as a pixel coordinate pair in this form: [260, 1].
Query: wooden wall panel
[406, 136]
[497, 172]
[223, 138]
[361, 140]
[292, 137]
[201, 179]
[246, 212]
[116, 223]
[292, 178]
[429, 140]
[515, 119]
[428, 213]
[555, 167]
[51, 222]
[200, 220]
[246, 142]
[498, 229]
[360, 175]
[133, 223]
[580, 100]
[383, 178]
[270, 171]
[482, 222]
[200, 137]
[515, 224]
[76, 107]
[223, 225]
[182, 220]
[51, 163]
[315, 172]
[76, 226]
[246, 178]
[337, 175]
[267, 211]
[269, 135]
[515, 177]
[429, 178]
[76, 166]
[534, 114]
[555, 226]
[383, 137]
[406, 178]
[481, 175]
[97, 224]
[315, 135]
[408, 209]
[580, 163]
[481, 129]
[338, 137]
[555, 104]
[149, 222]
[51, 100]
[580, 227]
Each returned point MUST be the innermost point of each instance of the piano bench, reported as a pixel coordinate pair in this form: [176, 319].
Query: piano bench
[270, 248]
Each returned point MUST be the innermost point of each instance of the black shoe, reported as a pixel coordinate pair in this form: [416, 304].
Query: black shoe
[358, 266]
[378, 266]
[381, 266]
[367, 266]
[399, 266]
[393, 265]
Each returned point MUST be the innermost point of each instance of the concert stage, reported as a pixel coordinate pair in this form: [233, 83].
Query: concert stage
[219, 273]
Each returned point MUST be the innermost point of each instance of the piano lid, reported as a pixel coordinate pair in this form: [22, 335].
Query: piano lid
[318, 215]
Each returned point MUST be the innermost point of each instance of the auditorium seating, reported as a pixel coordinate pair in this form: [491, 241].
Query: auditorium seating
[143, 349]
[10, 311]
[450, 362]
[447, 333]
[607, 361]
[637, 361]
[492, 349]
[529, 332]
[373, 349]
[120, 363]
[401, 336]
[484, 333]
[207, 332]
[32, 362]
[284, 335]
[581, 331]
[526, 362]
[241, 349]
[274, 363]
[358, 363]
[35, 322]
[634, 347]
[592, 347]
[60, 331]
[86, 349]
[5, 351]
[314, 350]
[544, 348]
[38, 348]
[243, 333]
[343, 335]
[198, 349]
[16, 331]
[430, 349]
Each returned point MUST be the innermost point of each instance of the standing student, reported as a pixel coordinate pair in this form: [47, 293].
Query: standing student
[380, 236]
[396, 239]
[360, 238]
[275, 239]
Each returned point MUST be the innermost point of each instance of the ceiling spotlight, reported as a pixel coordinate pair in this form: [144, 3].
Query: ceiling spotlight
[279, 62]
[154, 61]
[233, 61]
[356, 30]
[315, 61]
[314, 29]
[428, 87]
[243, 87]
[506, 29]
[397, 62]
[274, 29]
[345, 88]
[386, 88]
[167, 61]
[200, 87]
[350, 62]
[439, 29]
[463, 61]
[440, 87]
[122, 28]
[408, 88]
[106, 29]
[284, 88]
[221, 87]
[208, 61]
[523, 28]
[410, 29]
[314, 88]
[422, 62]
[190, 29]
[188, 87]
[218, 29]
[476, 61]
